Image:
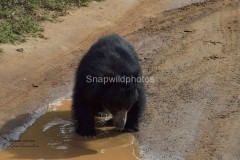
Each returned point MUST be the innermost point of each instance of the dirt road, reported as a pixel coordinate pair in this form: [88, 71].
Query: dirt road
[193, 108]
[194, 105]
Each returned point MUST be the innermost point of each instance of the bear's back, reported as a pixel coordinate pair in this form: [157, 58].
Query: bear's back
[111, 55]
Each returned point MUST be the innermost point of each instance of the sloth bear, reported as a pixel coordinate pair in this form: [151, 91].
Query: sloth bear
[108, 78]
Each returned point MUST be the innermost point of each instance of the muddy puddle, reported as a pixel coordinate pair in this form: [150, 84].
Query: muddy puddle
[52, 137]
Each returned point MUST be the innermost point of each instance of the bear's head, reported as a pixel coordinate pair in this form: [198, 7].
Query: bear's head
[118, 99]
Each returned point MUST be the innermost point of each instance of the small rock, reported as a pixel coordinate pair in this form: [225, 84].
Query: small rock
[20, 50]
[187, 31]
[34, 85]
[42, 36]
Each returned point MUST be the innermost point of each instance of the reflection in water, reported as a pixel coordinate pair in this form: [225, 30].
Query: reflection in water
[52, 137]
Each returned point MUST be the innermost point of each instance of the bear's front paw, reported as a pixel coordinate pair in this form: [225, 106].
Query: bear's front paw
[86, 133]
[131, 129]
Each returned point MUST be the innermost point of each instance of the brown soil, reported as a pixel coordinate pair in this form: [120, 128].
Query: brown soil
[193, 108]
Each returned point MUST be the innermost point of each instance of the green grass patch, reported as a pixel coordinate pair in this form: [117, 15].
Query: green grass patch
[20, 19]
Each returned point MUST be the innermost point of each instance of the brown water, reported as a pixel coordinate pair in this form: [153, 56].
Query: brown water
[52, 137]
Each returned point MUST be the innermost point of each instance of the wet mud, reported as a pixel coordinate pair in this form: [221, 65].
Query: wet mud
[52, 136]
